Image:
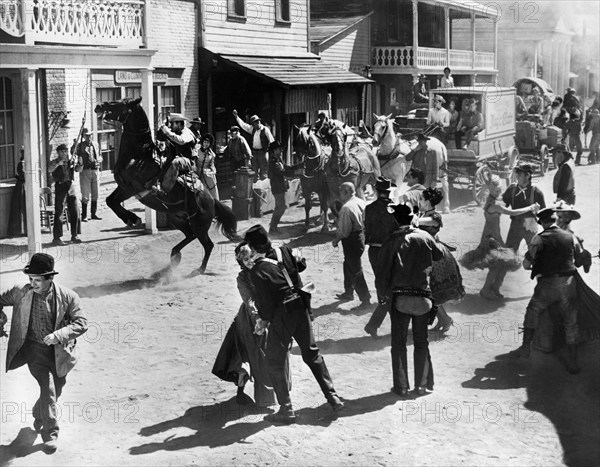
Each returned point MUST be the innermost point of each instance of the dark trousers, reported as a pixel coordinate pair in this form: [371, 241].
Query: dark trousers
[281, 331]
[576, 145]
[354, 279]
[381, 310]
[42, 366]
[422, 358]
[61, 192]
[279, 210]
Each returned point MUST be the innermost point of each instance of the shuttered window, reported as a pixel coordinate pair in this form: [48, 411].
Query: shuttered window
[7, 130]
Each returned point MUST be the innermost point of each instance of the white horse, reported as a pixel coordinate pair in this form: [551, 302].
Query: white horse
[392, 150]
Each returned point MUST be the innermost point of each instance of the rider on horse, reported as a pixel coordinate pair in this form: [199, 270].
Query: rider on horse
[183, 143]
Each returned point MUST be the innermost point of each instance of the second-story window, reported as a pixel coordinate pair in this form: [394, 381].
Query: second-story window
[282, 11]
[236, 9]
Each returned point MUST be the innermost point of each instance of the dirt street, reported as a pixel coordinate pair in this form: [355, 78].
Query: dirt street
[143, 393]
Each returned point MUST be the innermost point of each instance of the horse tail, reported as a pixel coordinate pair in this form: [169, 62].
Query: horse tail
[226, 220]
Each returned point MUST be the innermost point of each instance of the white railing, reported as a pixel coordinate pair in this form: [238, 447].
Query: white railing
[404, 57]
[431, 58]
[484, 60]
[460, 58]
[11, 18]
[84, 22]
[397, 57]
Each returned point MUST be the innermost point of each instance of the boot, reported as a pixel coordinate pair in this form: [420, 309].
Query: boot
[83, 212]
[525, 348]
[94, 207]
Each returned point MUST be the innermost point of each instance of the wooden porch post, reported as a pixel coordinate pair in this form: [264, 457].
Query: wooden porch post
[415, 33]
[148, 105]
[447, 31]
[472, 39]
[32, 160]
[496, 21]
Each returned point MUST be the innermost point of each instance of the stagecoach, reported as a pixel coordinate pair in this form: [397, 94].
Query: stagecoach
[493, 150]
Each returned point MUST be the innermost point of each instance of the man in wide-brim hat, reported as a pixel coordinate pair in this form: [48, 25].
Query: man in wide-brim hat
[522, 227]
[470, 124]
[379, 227]
[402, 277]
[184, 142]
[261, 138]
[551, 258]
[46, 320]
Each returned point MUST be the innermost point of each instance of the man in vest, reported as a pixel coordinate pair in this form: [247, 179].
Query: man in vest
[551, 259]
[522, 227]
[261, 138]
[89, 157]
[184, 142]
[237, 149]
[438, 120]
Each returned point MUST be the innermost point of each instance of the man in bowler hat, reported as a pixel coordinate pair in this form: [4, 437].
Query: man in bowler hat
[272, 288]
[46, 321]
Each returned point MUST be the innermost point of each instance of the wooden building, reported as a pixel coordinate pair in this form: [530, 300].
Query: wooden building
[255, 57]
[411, 37]
[58, 60]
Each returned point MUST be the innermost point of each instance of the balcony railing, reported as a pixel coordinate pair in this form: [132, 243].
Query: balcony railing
[390, 58]
[83, 22]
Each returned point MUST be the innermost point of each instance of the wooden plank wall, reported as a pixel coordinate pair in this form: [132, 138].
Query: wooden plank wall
[304, 100]
[259, 32]
[351, 50]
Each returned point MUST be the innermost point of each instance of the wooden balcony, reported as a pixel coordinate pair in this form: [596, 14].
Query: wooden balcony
[403, 59]
[115, 23]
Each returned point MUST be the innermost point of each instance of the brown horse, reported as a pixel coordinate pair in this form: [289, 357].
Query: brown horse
[313, 180]
[360, 168]
[138, 167]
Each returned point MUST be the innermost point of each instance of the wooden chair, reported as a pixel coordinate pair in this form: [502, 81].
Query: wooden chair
[47, 213]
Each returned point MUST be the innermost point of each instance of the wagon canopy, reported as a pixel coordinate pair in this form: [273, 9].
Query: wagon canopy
[524, 86]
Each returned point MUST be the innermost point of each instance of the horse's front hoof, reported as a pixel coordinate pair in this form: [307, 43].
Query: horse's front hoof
[175, 260]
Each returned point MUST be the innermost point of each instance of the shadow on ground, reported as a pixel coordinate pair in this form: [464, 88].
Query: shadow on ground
[213, 426]
[22, 446]
[570, 402]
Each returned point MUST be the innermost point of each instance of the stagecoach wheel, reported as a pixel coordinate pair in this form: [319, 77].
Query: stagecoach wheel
[544, 159]
[481, 188]
[513, 157]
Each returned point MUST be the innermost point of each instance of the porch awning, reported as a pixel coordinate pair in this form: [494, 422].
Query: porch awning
[487, 9]
[288, 72]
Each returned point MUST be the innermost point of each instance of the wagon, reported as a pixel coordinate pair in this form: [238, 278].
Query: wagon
[494, 150]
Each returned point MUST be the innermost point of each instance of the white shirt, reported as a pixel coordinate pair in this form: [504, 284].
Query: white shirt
[447, 82]
[441, 116]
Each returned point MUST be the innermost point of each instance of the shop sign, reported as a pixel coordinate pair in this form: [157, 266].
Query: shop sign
[127, 77]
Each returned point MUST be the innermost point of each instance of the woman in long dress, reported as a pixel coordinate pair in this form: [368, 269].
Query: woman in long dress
[17, 223]
[491, 253]
[446, 280]
[241, 356]
[205, 165]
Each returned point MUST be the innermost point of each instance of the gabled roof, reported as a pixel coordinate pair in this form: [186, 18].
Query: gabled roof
[324, 29]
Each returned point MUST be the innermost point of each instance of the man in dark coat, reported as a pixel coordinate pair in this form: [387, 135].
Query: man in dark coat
[564, 181]
[379, 227]
[272, 289]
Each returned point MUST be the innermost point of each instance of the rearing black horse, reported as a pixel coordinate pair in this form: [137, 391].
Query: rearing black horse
[137, 167]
